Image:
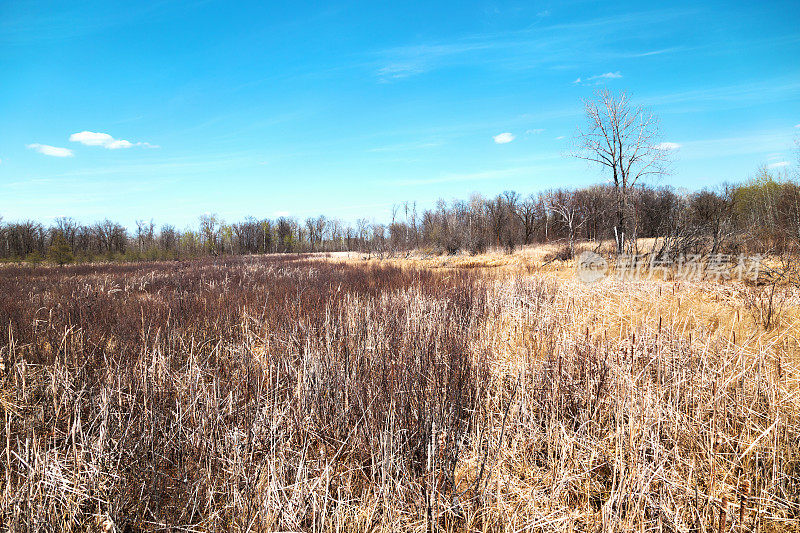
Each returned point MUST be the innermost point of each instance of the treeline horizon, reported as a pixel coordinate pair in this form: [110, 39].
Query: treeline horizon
[619, 137]
[761, 215]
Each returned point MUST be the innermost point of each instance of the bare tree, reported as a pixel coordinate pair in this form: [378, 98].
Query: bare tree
[111, 237]
[320, 225]
[624, 139]
[596, 204]
[497, 212]
[67, 227]
[168, 238]
[565, 205]
[145, 234]
[210, 231]
[363, 233]
[526, 212]
[284, 234]
[711, 213]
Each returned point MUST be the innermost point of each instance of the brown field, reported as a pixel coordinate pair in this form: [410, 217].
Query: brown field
[488, 393]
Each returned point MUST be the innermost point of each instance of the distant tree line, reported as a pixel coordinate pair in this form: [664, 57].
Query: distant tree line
[761, 215]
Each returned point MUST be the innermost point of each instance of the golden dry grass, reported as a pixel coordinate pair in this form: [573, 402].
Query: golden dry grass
[655, 318]
[707, 308]
[617, 406]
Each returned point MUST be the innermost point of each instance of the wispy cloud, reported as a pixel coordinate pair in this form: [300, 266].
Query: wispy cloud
[405, 61]
[607, 76]
[657, 52]
[668, 146]
[764, 142]
[534, 131]
[396, 71]
[778, 164]
[597, 79]
[176, 167]
[53, 151]
[582, 43]
[729, 96]
[503, 138]
[91, 138]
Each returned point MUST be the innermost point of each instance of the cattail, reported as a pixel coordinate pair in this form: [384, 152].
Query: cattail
[723, 514]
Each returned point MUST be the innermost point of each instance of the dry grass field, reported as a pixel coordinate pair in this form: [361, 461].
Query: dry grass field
[488, 393]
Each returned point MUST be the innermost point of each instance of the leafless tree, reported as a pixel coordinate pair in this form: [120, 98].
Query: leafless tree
[363, 233]
[209, 229]
[564, 204]
[168, 238]
[624, 139]
[145, 234]
[497, 211]
[284, 234]
[320, 225]
[526, 212]
[67, 227]
[111, 237]
[596, 205]
[711, 213]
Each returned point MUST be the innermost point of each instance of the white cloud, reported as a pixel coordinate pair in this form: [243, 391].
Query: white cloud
[607, 76]
[91, 138]
[561, 137]
[779, 164]
[121, 143]
[597, 79]
[503, 138]
[668, 146]
[54, 151]
[400, 70]
[534, 131]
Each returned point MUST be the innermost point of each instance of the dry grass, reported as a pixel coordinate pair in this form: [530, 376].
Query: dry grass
[491, 393]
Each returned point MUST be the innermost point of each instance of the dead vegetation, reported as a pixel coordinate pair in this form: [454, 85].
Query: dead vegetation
[259, 394]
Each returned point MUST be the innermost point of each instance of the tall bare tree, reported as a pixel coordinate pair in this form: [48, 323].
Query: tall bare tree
[625, 140]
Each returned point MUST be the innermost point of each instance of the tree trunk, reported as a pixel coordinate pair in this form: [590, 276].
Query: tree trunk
[571, 240]
[619, 230]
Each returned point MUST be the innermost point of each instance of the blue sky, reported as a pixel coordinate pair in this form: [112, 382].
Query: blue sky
[259, 108]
